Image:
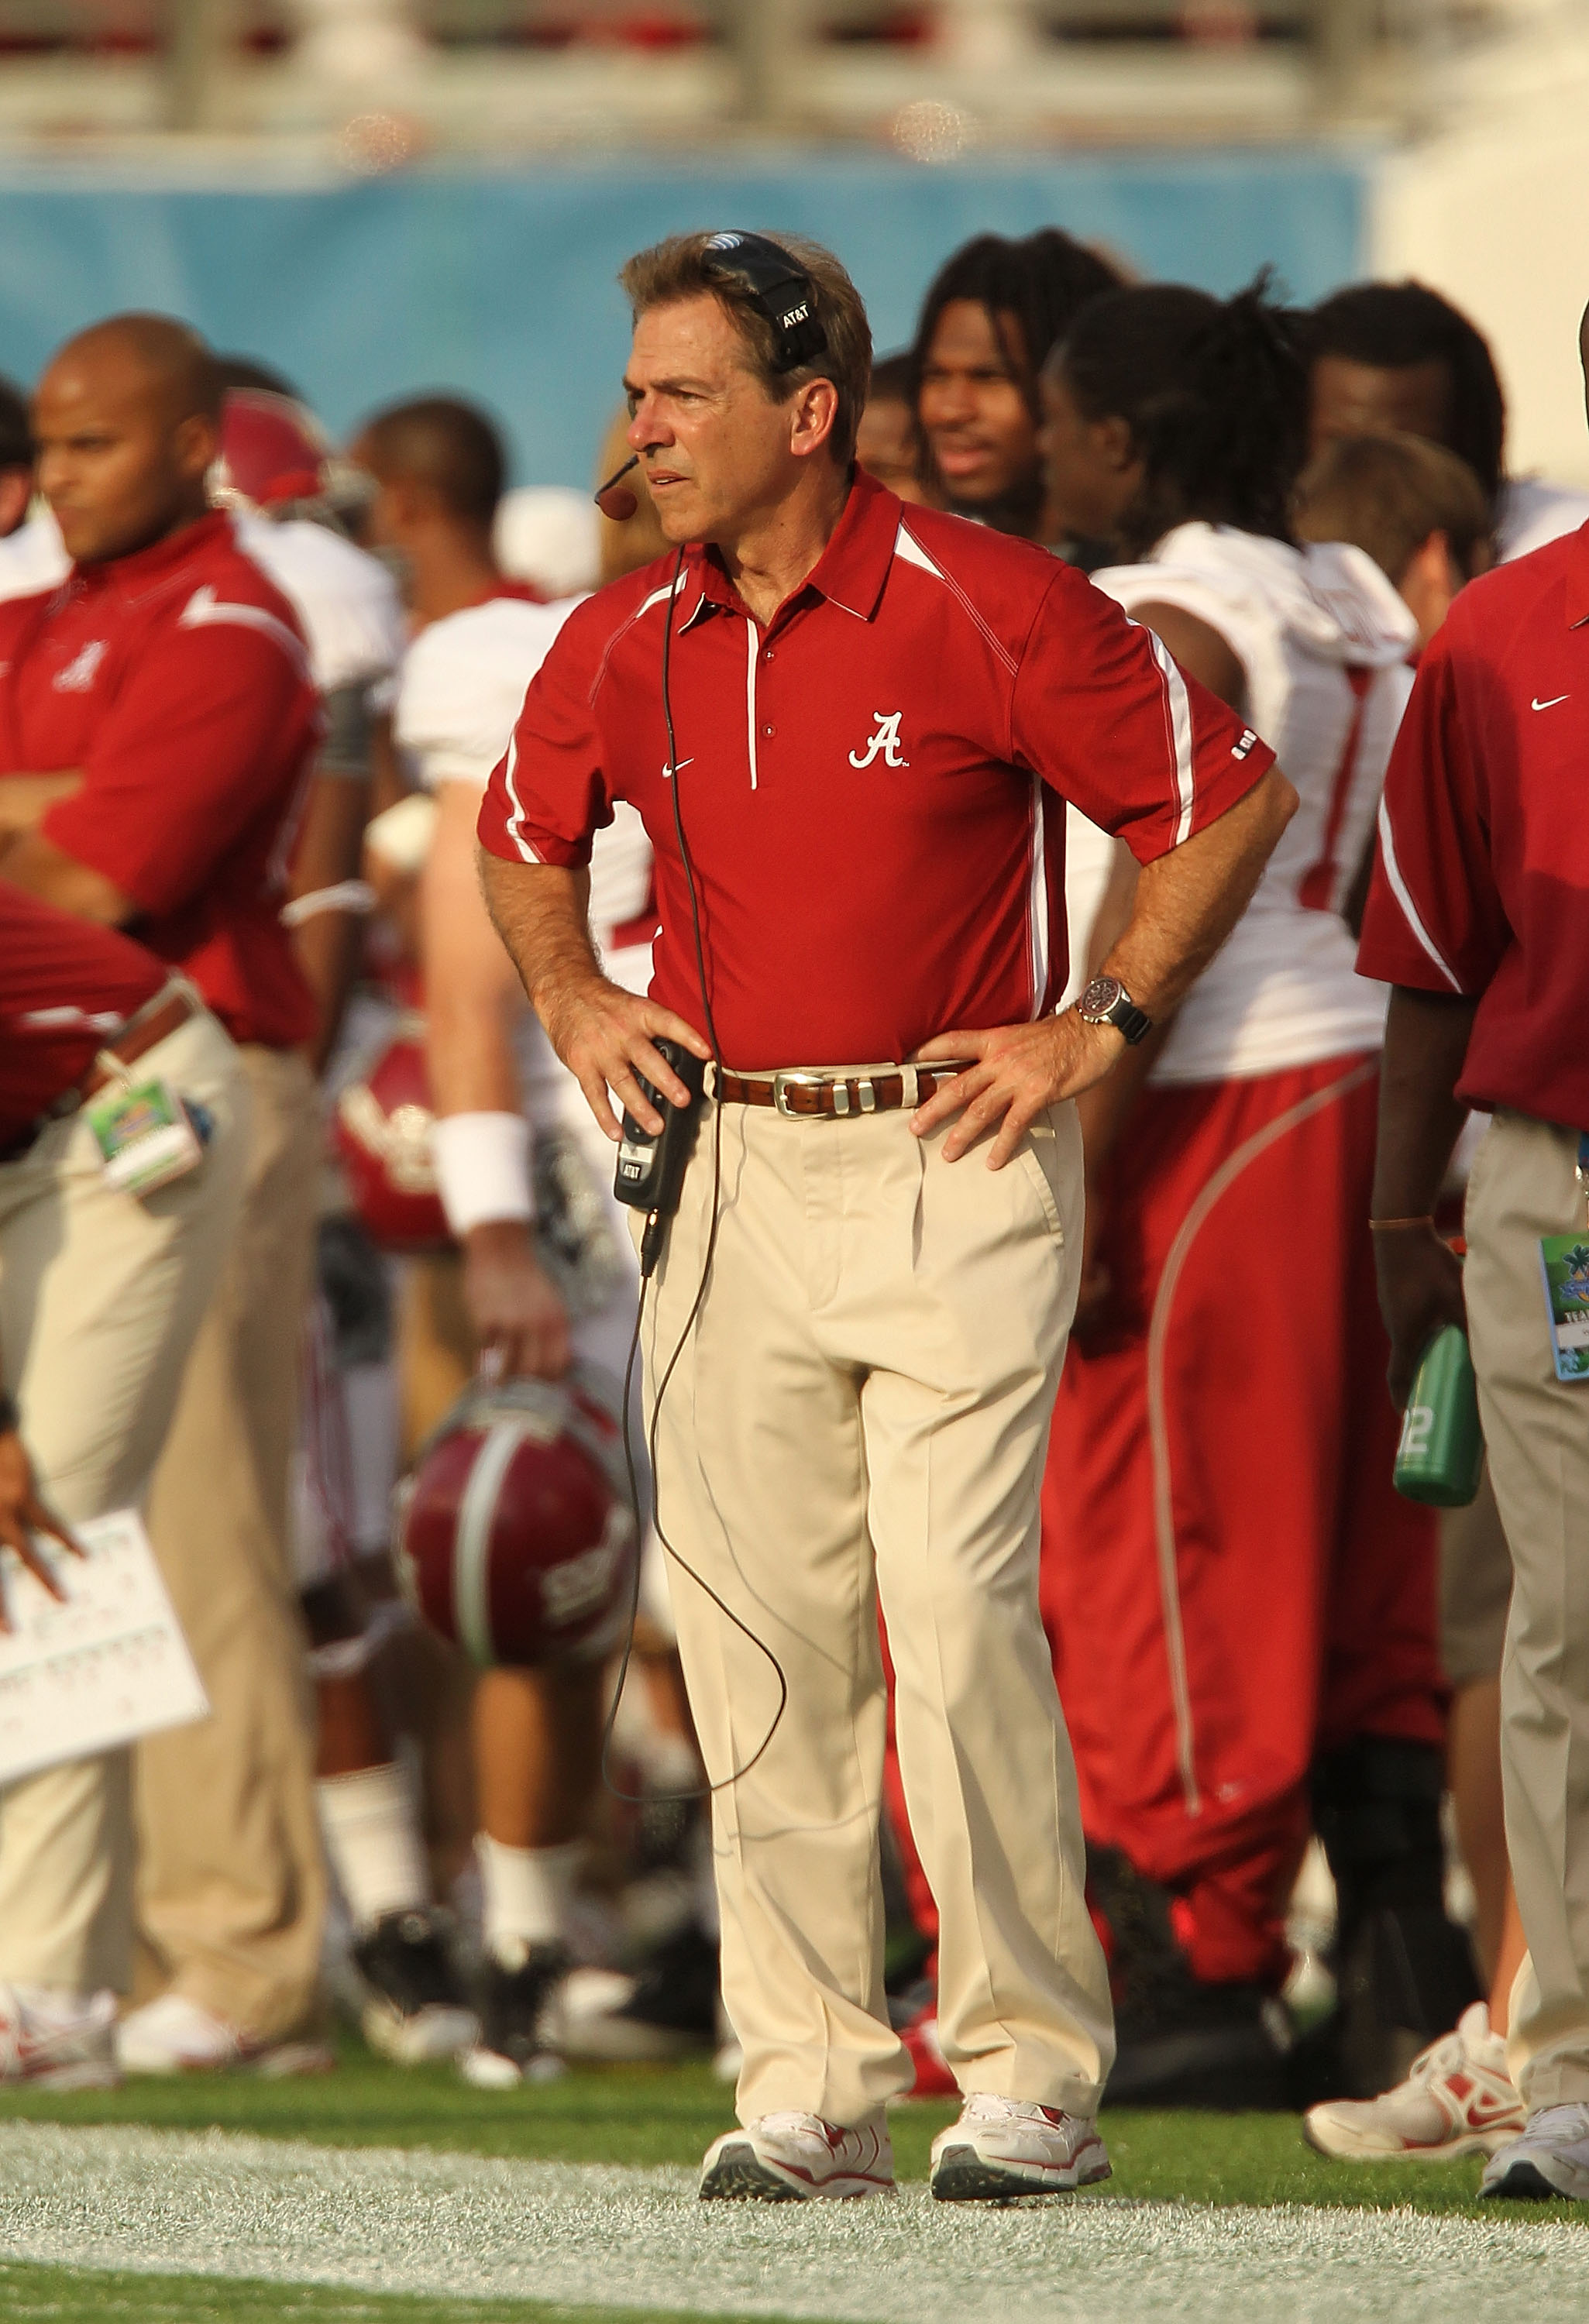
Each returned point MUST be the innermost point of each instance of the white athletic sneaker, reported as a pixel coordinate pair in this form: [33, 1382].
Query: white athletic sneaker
[1001, 2148]
[788, 2158]
[59, 2041]
[174, 2035]
[1457, 2099]
[1550, 2158]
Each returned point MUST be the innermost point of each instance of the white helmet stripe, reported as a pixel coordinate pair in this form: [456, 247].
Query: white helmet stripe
[471, 1569]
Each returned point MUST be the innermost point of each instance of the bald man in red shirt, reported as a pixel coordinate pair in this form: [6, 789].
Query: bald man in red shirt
[871, 718]
[157, 720]
[1479, 919]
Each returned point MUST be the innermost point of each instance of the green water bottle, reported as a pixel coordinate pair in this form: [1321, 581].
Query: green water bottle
[1442, 1447]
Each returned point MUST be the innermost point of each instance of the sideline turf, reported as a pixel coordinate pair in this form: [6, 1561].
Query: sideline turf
[644, 2116]
[60, 2295]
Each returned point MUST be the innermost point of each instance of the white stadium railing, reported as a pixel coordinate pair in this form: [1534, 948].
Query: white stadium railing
[936, 79]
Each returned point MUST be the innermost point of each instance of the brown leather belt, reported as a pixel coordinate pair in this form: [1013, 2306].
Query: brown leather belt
[171, 1006]
[830, 1097]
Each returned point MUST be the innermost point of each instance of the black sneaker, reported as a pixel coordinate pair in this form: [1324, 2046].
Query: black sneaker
[513, 2047]
[668, 2010]
[414, 2009]
[1181, 2043]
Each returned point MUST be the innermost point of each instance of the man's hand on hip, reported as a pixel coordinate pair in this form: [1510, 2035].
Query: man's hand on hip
[1019, 1072]
[604, 1037]
[1421, 1292]
[519, 1320]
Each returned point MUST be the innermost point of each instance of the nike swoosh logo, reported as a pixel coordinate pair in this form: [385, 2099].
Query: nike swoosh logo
[1552, 703]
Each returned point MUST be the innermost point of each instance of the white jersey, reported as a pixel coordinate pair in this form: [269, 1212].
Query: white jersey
[1532, 513]
[345, 599]
[458, 700]
[1324, 641]
[32, 558]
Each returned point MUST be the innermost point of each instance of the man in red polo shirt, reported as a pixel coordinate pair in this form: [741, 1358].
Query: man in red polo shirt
[1477, 918]
[101, 1292]
[871, 719]
[156, 725]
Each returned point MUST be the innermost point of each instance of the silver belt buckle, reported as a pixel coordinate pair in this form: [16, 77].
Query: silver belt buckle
[781, 1083]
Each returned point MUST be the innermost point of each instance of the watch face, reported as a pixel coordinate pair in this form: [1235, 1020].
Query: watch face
[1101, 996]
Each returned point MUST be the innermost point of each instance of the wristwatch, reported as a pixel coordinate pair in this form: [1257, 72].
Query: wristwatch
[1107, 1001]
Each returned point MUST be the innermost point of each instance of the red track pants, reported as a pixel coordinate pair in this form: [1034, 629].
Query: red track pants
[1229, 1582]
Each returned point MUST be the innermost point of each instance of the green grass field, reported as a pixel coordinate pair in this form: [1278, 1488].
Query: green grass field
[434, 2226]
[64, 2295]
[648, 2116]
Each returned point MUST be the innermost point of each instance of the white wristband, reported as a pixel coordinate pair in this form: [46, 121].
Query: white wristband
[482, 1168]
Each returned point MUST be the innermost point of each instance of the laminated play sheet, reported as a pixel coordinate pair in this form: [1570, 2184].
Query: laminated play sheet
[104, 1667]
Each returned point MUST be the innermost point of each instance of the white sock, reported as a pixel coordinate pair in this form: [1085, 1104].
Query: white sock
[524, 1895]
[372, 1839]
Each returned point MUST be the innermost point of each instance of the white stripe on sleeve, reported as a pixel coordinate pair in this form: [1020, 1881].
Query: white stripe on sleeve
[1181, 728]
[1037, 903]
[515, 822]
[1403, 895]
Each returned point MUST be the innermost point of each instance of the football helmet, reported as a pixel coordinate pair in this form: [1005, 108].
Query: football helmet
[274, 452]
[516, 1537]
[382, 1133]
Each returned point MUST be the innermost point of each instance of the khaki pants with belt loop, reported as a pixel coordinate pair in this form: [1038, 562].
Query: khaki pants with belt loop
[231, 1882]
[101, 1294]
[861, 1410]
[1536, 1432]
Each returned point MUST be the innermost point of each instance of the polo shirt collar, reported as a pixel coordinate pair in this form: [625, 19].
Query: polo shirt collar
[850, 572]
[1578, 579]
[145, 568]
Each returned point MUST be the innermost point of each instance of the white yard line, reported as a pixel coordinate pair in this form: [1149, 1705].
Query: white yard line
[466, 2227]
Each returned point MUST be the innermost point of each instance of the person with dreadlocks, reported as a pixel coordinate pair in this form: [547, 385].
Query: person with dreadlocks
[993, 312]
[1243, 1612]
[1396, 356]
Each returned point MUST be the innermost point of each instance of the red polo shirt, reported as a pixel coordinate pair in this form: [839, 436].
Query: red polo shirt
[176, 679]
[865, 783]
[65, 987]
[1481, 885]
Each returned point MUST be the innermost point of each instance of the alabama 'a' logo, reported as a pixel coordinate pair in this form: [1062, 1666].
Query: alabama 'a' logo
[884, 743]
[78, 676]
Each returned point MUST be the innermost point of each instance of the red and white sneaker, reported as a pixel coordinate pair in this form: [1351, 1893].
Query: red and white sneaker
[790, 2158]
[934, 2078]
[1002, 2149]
[1457, 2099]
[57, 2041]
[174, 2035]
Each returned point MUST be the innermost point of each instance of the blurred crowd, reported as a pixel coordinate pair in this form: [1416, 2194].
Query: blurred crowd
[252, 684]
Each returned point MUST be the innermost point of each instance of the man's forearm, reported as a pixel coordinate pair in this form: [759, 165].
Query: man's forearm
[25, 799]
[1188, 903]
[541, 913]
[602, 1034]
[1420, 1121]
[30, 861]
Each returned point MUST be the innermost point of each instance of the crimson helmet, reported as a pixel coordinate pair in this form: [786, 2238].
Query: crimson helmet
[382, 1133]
[273, 452]
[516, 1537]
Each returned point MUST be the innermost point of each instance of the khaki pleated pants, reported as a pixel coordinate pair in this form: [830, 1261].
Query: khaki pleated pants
[1536, 1432]
[231, 1883]
[860, 1409]
[101, 1294]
